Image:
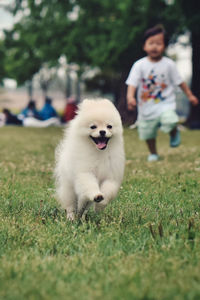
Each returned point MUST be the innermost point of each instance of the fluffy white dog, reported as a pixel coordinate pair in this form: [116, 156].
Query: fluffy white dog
[90, 159]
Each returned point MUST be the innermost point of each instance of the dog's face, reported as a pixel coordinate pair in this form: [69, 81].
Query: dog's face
[100, 133]
[99, 121]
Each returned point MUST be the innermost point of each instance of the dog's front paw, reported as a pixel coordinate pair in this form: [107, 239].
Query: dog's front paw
[71, 216]
[98, 198]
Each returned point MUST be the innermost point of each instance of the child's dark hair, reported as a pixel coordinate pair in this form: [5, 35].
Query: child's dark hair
[156, 30]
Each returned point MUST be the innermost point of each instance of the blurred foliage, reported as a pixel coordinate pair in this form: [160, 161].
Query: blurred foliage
[21, 61]
[2, 57]
[107, 34]
[31, 42]
[104, 34]
[190, 13]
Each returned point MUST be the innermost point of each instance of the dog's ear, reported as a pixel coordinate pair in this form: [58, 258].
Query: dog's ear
[84, 104]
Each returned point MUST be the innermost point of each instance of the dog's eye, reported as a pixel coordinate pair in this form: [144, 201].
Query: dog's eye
[93, 127]
[109, 126]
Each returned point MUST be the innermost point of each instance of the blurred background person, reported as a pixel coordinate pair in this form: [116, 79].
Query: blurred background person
[48, 111]
[30, 111]
[70, 110]
[11, 119]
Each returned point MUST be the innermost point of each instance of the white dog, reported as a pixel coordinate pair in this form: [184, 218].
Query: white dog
[90, 159]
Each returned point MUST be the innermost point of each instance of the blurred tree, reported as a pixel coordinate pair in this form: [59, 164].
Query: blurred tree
[2, 62]
[191, 11]
[21, 60]
[107, 34]
[34, 41]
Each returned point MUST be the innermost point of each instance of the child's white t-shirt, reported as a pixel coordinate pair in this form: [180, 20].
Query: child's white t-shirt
[155, 83]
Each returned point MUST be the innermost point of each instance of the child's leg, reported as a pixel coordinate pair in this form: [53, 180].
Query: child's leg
[175, 137]
[169, 120]
[151, 143]
[173, 132]
[147, 131]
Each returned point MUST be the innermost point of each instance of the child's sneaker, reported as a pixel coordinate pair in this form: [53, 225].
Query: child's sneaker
[176, 139]
[153, 157]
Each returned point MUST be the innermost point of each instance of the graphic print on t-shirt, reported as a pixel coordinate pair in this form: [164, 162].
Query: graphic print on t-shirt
[152, 87]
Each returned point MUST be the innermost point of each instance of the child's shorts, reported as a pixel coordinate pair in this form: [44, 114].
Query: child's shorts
[147, 129]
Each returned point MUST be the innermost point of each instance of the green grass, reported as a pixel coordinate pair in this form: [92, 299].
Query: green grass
[145, 245]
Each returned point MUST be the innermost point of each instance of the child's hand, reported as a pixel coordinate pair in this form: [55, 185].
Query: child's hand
[131, 104]
[193, 99]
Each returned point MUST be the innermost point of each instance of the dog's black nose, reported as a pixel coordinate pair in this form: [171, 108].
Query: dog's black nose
[102, 132]
[98, 198]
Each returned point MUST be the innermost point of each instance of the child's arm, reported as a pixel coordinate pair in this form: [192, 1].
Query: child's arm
[185, 88]
[131, 101]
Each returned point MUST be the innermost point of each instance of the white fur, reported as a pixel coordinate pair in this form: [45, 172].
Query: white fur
[84, 172]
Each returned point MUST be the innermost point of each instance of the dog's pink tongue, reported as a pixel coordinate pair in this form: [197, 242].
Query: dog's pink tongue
[101, 145]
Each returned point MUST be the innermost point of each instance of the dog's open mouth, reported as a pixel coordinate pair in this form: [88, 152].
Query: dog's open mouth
[101, 142]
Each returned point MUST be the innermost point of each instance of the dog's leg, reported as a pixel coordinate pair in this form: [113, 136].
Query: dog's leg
[85, 210]
[70, 215]
[109, 189]
[84, 204]
[68, 201]
[87, 189]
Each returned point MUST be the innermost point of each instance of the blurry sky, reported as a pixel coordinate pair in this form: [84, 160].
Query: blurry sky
[6, 19]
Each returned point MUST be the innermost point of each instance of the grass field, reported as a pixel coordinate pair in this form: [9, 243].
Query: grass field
[145, 245]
